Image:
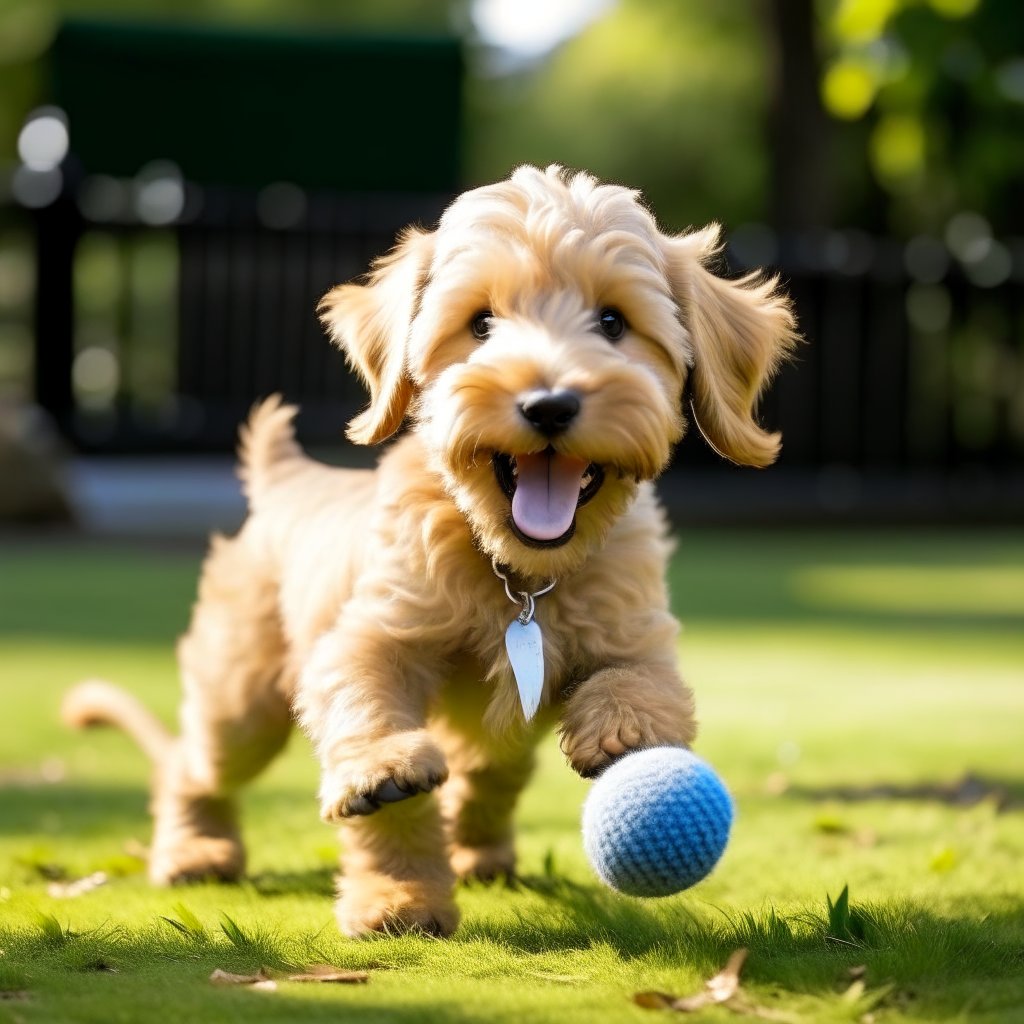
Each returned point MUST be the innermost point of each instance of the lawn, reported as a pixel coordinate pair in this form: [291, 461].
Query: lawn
[848, 684]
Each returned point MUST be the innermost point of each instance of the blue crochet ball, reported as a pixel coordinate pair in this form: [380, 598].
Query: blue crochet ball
[656, 822]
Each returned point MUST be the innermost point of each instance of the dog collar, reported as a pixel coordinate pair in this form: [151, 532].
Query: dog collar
[524, 644]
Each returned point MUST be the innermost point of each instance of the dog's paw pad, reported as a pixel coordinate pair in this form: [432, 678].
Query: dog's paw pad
[592, 749]
[413, 765]
[390, 792]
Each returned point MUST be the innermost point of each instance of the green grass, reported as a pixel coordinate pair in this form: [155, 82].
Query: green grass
[842, 678]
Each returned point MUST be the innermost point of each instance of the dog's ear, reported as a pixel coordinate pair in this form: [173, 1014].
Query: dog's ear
[370, 323]
[739, 332]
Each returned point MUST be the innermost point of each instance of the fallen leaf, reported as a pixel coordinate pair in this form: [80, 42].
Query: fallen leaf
[654, 1000]
[723, 989]
[726, 983]
[327, 974]
[857, 971]
[260, 979]
[12, 995]
[854, 992]
[137, 850]
[78, 887]
[719, 989]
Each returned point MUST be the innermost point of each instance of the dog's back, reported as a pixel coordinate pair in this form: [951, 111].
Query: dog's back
[308, 522]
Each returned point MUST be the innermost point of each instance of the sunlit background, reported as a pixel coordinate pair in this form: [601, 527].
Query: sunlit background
[181, 180]
[871, 150]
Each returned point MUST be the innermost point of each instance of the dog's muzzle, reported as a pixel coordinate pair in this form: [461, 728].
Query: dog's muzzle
[545, 490]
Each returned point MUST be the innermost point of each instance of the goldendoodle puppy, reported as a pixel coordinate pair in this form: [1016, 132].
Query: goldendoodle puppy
[507, 555]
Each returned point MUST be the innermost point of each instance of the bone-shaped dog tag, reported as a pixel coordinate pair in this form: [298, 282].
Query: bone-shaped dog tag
[525, 647]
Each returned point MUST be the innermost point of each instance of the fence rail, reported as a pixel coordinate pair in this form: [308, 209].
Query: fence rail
[158, 338]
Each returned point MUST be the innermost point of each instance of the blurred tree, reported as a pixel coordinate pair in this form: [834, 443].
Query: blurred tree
[886, 114]
[891, 115]
[932, 92]
[669, 97]
[799, 131]
[27, 27]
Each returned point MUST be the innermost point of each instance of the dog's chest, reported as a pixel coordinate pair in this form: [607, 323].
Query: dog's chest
[552, 646]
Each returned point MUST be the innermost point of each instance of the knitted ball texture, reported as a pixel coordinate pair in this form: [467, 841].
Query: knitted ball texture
[656, 822]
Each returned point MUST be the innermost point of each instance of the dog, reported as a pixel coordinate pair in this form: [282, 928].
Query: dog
[508, 552]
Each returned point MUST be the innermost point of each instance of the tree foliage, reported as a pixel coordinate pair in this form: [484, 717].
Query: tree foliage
[925, 97]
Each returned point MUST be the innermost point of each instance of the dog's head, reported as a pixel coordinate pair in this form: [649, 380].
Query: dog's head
[541, 339]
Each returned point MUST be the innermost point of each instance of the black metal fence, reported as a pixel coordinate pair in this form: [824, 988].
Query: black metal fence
[158, 338]
[914, 360]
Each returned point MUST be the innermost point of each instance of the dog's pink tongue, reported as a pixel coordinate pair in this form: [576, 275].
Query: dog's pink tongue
[547, 489]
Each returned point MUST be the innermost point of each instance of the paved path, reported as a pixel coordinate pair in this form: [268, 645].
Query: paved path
[176, 496]
[191, 496]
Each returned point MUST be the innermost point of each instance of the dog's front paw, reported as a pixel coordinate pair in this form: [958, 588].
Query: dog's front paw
[395, 768]
[591, 745]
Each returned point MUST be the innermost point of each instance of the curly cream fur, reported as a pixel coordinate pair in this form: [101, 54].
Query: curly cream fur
[364, 604]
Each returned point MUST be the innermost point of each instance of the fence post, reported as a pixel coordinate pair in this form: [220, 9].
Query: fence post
[58, 227]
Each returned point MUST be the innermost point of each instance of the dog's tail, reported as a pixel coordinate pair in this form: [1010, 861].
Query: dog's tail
[94, 702]
[267, 447]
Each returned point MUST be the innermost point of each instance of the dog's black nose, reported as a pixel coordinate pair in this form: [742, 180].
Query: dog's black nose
[550, 412]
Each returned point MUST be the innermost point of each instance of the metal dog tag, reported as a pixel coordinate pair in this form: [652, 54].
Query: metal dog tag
[525, 647]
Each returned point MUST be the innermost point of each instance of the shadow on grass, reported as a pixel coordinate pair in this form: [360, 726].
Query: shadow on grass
[312, 882]
[968, 791]
[912, 959]
[816, 951]
[158, 973]
[96, 593]
[72, 810]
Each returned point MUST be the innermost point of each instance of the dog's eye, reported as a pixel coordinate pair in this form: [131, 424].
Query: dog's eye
[612, 324]
[480, 325]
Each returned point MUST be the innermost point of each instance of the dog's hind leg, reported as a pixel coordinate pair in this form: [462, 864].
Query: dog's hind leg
[396, 876]
[487, 775]
[234, 718]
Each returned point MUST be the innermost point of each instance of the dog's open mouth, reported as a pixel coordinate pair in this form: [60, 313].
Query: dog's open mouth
[545, 489]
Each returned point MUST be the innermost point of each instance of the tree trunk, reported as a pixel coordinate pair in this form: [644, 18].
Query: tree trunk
[799, 129]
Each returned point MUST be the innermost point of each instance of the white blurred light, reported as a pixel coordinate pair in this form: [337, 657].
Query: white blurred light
[36, 189]
[95, 374]
[991, 267]
[1010, 79]
[966, 235]
[159, 193]
[43, 142]
[532, 27]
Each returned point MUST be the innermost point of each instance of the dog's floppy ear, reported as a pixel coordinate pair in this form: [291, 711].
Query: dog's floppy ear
[739, 331]
[370, 323]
